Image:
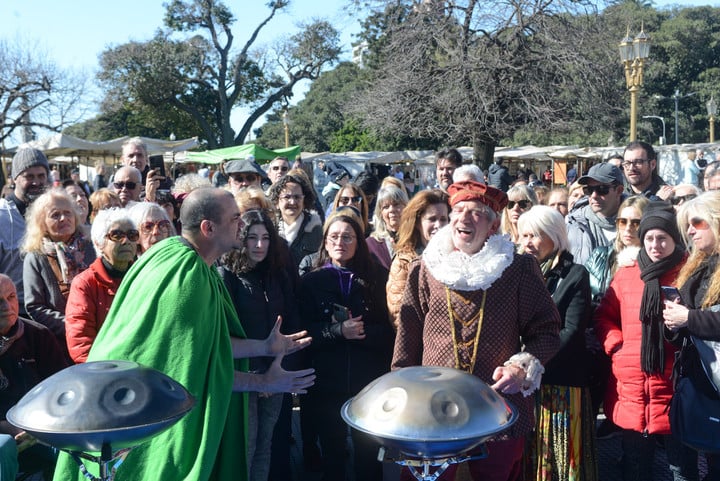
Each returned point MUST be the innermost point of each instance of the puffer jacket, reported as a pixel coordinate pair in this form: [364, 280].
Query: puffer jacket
[634, 400]
[396, 283]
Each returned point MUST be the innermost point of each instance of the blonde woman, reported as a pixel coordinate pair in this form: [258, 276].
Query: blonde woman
[56, 248]
[391, 202]
[520, 199]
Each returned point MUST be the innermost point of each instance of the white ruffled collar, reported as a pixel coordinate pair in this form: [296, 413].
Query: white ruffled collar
[463, 272]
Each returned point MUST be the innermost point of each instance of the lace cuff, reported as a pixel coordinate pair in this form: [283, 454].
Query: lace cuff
[533, 371]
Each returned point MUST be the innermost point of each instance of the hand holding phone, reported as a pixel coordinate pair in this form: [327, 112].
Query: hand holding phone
[671, 293]
[340, 313]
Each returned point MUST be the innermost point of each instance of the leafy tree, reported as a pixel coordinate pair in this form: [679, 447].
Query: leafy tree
[34, 92]
[193, 68]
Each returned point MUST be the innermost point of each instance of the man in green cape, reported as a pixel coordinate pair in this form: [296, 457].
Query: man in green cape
[173, 313]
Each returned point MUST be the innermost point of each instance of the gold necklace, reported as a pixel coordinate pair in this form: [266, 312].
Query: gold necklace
[457, 344]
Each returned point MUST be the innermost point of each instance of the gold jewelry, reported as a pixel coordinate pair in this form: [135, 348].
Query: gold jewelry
[469, 367]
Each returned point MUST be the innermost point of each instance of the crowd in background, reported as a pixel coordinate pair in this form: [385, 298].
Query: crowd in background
[550, 294]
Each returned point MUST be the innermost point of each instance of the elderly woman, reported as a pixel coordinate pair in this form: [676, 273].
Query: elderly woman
[563, 447]
[349, 351]
[297, 223]
[425, 214]
[386, 221]
[695, 313]
[520, 199]
[476, 302]
[56, 250]
[152, 222]
[629, 325]
[115, 239]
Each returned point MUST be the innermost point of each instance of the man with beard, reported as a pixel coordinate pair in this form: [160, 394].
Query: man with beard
[639, 162]
[30, 171]
[593, 225]
[445, 164]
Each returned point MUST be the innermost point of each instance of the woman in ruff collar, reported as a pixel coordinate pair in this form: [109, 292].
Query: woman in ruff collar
[472, 303]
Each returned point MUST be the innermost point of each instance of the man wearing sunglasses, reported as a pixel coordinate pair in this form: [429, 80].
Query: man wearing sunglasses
[593, 225]
[278, 169]
[243, 174]
[127, 184]
[639, 162]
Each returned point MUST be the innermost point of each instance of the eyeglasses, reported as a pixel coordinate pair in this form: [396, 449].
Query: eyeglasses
[295, 198]
[524, 204]
[281, 168]
[356, 199]
[699, 224]
[633, 163]
[602, 189]
[682, 199]
[622, 222]
[129, 184]
[345, 238]
[149, 226]
[249, 178]
[117, 235]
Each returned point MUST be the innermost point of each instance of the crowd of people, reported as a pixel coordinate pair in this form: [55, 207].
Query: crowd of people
[283, 287]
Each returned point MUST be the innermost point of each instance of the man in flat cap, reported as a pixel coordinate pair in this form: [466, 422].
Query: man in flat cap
[244, 173]
[473, 304]
[30, 171]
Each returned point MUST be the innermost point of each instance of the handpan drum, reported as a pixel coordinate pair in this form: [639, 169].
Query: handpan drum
[429, 411]
[95, 404]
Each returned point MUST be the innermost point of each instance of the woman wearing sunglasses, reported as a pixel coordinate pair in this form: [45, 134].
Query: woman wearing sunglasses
[696, 312]
[115, 239]
[56, 250]
[520, 199]
[352, 195]
[152, 222]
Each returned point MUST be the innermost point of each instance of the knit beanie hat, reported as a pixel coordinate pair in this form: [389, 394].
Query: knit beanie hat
[660, 215]
[27, 157]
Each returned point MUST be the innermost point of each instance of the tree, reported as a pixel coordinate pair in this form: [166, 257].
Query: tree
[475, 72]
[34, 92]
[194, 68]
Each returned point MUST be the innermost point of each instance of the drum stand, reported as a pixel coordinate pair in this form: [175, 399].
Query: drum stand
[420, 467]
[107, 456]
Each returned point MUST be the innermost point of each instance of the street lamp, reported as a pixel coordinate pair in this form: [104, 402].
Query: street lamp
[633, 53]
[286, 125]
[712, 112]
[663, 138]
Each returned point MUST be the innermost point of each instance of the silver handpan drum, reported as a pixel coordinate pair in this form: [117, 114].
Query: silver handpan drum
[95, 404]
[429, 411]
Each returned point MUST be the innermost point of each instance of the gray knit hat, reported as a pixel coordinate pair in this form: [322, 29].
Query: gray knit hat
[27, 157]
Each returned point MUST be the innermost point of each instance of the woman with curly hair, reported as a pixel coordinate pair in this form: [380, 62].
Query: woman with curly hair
[56, 249]
[297, 223]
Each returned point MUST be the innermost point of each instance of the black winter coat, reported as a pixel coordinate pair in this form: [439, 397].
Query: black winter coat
[341, 365]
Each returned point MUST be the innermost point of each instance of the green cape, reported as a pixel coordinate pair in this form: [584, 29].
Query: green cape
[173, 313]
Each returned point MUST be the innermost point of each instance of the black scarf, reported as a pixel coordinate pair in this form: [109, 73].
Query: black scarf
[652, 349]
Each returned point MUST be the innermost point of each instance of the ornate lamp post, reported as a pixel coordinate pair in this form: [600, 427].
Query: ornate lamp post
[633, 53]
[286, 126]
[712, 112]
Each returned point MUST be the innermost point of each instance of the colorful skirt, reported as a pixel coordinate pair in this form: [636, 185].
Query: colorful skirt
[563, 446]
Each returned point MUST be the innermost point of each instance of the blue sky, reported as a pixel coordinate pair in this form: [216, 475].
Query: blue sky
[74, 33]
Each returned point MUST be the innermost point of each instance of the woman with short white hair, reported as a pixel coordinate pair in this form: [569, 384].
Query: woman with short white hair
[152, 222]
[563, 408]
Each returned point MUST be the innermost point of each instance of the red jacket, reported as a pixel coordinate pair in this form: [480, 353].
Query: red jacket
[91, 294]
[633, 400]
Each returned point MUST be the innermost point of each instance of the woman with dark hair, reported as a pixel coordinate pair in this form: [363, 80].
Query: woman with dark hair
[262, 292]
[297, 223]
[424, 215]
[344, 311]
